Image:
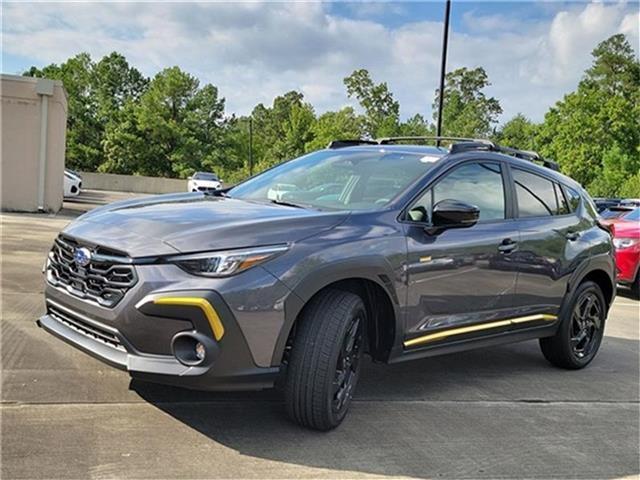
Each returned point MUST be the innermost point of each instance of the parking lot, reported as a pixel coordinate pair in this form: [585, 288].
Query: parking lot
[497, 413]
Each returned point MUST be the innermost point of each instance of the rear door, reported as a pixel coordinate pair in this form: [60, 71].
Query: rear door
[550, 227]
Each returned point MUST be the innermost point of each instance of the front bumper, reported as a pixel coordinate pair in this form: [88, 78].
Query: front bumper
[136, 335]
[628, 263]
[116, 356]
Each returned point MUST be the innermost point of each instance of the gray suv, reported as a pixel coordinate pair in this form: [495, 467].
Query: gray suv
[390, 248]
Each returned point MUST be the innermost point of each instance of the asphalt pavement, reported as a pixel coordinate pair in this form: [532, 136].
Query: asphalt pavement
[502, 412]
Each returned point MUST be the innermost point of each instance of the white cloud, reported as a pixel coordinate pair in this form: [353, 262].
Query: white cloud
[255, 51]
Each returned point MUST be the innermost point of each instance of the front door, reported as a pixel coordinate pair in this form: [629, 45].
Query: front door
[461, 277]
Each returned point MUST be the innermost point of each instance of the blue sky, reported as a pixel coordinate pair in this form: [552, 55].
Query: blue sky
[534, 52]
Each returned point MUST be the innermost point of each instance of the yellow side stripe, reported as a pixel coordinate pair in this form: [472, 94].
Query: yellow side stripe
[474, 328]
[203, 304]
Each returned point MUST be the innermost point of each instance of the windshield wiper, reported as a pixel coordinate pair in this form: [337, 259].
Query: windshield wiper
[287, 204]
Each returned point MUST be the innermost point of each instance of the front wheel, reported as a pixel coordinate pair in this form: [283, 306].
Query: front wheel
[580, 333]
[324, 365]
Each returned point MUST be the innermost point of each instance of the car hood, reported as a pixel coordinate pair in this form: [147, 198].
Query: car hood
[167, 224]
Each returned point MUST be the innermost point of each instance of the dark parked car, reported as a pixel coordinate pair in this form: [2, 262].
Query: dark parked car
[619, 211]
[603, 204]
[423, 250]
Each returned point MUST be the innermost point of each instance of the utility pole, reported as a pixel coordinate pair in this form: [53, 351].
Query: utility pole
[443, 68]
[250, 146]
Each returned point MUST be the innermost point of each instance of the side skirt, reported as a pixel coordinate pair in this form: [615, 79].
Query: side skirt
[511, 336]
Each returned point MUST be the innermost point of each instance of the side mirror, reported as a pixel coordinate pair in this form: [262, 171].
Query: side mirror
[454, 214]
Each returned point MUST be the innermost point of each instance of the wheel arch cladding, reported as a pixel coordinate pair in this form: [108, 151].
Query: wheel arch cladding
[603, 280]
[379, 297]
[599, 268]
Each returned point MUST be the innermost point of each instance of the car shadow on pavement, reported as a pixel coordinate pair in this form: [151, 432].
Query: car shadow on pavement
[501, 412]
[625, 292]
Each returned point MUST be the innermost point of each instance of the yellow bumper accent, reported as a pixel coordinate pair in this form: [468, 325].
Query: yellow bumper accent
[203, 304]
[432, 337]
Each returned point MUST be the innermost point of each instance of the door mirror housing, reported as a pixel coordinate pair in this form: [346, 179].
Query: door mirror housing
[454, 214]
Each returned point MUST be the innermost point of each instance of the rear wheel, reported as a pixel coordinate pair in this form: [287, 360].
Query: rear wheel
[324, 365]
[580, 333]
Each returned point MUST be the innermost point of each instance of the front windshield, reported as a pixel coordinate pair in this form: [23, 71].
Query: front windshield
[205, 176]
[338, 179]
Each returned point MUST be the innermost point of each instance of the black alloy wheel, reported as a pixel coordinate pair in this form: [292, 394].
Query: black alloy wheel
[347, 367]
[580, 331]
[586, 324]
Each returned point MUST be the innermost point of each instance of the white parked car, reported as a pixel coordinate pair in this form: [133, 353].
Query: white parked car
[203, 182]
[72, 184]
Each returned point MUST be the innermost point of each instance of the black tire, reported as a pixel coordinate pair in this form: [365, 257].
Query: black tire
[580, 332]
[324, 365]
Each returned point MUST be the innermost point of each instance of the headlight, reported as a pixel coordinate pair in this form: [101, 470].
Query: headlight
[225, 263]
[621, 243]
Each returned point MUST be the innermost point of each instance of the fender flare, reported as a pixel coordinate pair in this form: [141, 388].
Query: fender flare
[371, 267]
[602, 262]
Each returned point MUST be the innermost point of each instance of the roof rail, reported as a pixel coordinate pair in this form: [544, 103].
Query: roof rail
[528, 155]
[390, 140]
[350, 143]
[460, 145]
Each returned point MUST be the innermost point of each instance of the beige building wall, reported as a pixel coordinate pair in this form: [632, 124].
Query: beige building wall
[21, 138]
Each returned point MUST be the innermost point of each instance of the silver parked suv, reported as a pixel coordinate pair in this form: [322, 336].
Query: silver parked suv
[385, 248]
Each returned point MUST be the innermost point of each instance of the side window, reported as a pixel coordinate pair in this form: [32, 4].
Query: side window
[573, 198]
[536, 195]
[421, 210]
[478, 184]
[563, 206]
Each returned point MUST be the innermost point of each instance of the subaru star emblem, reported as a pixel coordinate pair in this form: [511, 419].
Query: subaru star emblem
[82, 256]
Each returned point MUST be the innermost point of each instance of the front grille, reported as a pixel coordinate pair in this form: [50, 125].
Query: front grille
[105, 280]
[91, 330]
[207, 189]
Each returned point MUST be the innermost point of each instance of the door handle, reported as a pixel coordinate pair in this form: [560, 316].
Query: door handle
[507, 246]
[572, 236]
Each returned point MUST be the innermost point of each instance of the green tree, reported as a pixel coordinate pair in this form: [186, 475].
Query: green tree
[235, 166]
[416, 126]
[615, 68]
[519, 132]
[593, 132]
[614, 179]
[282, 130]
[382, 112]
[343, 124]
[114, 83]
[467, 111]
[173, 130]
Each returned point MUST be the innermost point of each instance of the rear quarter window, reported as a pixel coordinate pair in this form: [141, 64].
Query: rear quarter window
[573, 198]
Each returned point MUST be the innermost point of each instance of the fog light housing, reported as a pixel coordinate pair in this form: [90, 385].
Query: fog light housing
[194, 349]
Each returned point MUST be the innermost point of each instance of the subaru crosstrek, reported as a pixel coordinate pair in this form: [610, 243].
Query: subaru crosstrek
[422, 250]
